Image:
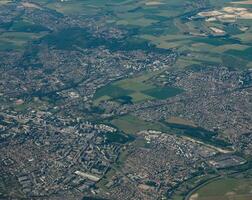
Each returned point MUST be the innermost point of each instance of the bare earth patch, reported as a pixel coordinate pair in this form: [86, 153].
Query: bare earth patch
[153, 3]
[242, 2]
[30, 5]
[227, 13]
[194, 196]
[178, 120]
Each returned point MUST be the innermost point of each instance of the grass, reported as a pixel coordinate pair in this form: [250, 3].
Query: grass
[226, 189]
[139, 97]
[16, 40]
[227, 47]
[164, 26]
[88, 7]
[178, 120]
[118, 138]
[32, 104]
[183, 62]
[178, 197]
[214, 41]
[73, 7]
[190, 184]
[96, 101]
[26, 26]
[137, 83]
[141, 143]
[244, 37]
[131, 124]
[244, 54]
[112, 91]
[233, 62]
[113, 170]
[163, 93]
[137, 88]
[143, 22]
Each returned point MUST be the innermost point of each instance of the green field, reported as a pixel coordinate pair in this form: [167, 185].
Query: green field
[17, 34]
[163, 93]
[112, 91]
[17, 40]
[225, 189]
[134, 90]
[131, 124]
[164, 24]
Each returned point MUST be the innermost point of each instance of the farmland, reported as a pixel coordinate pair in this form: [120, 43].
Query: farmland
[137, 89]
[182, 29]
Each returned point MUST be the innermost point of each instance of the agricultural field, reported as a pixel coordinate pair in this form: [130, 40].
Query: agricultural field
[135, 90]
[181, 121]
[16, 35]
[185, 26]
[17, 40]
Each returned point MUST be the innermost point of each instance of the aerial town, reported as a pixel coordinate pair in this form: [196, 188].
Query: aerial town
[124, 99]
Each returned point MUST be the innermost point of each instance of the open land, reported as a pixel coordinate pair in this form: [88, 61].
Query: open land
[225, 189]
